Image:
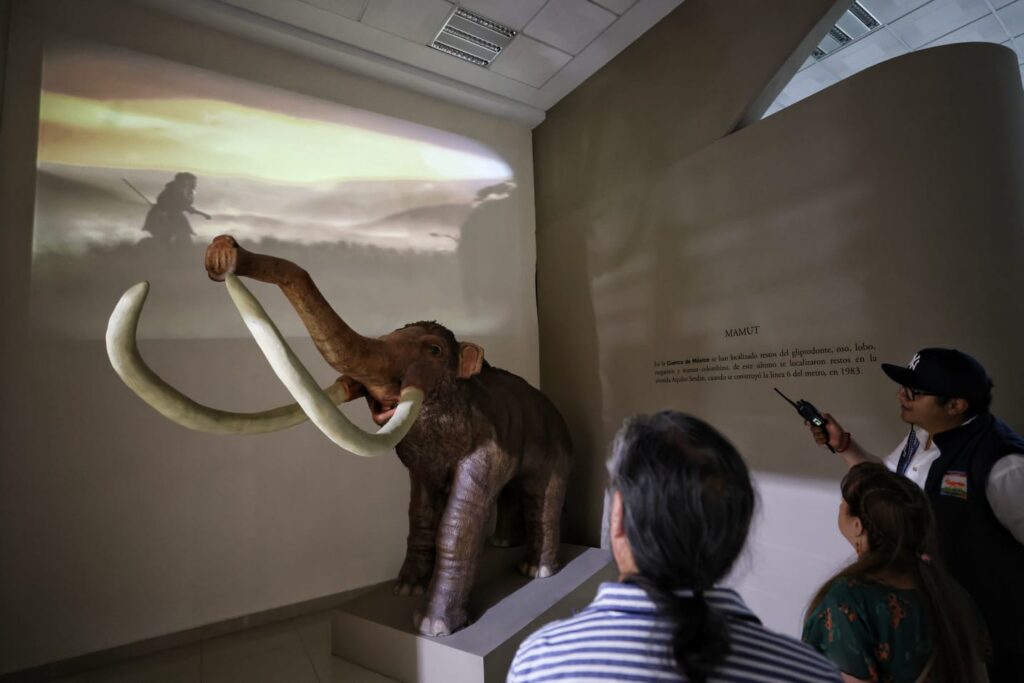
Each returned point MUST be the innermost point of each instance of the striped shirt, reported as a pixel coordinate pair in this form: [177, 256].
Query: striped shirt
[620, 637]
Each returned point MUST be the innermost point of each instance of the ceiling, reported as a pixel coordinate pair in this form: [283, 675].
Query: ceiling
[559, 43]
[906, 26]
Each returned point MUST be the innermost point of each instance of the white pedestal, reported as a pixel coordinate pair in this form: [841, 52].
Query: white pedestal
[375, 630]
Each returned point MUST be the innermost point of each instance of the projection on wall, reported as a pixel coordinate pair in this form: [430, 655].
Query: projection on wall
[396, 221]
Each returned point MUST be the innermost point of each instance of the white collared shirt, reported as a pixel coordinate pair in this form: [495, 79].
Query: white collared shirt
[1004, 491]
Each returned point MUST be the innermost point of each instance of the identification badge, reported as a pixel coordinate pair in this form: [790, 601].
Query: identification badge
[954, 484]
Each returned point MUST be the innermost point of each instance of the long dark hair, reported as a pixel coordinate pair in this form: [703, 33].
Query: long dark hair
[900, 527]
[687, 502]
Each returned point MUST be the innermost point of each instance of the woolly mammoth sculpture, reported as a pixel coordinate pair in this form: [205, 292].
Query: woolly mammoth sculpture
[471, 435]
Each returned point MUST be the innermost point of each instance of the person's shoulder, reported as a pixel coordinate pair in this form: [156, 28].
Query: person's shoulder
[776, 656]
[557, 646]
[849, 597]
[847, 588]
[555, 630]
[540, 636]
[1007, 433]
[861, 593]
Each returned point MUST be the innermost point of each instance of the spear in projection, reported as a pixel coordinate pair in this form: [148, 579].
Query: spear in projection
[144, 198]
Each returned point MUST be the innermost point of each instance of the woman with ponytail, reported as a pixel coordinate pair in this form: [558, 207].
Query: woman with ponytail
[894, 614]
[681, 506]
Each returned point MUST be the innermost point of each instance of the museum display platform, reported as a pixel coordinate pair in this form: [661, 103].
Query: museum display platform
[375, 630]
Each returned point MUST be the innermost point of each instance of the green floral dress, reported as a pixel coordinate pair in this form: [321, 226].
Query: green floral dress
[870, 631]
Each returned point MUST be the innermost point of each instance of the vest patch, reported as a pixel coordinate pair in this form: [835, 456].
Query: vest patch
[954, 484]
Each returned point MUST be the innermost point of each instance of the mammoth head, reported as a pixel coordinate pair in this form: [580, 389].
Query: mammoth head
[424, 355]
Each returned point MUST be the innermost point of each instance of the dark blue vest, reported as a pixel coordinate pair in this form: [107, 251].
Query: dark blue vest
[980, 553]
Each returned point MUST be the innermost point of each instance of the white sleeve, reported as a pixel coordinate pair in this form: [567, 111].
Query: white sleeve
[1005, 492]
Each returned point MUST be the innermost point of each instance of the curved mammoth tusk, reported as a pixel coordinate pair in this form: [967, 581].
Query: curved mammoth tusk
[321, 410]
[124, 355]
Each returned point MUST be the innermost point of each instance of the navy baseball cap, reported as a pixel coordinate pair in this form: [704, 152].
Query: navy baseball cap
[945, 372]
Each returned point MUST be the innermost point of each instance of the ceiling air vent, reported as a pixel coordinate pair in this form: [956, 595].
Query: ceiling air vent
[472, 38]
[855, 23]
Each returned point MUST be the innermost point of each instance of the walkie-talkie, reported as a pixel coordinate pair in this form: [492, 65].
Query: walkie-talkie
[809, 413]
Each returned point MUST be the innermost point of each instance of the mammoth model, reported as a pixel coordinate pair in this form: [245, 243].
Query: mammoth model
[471, 435]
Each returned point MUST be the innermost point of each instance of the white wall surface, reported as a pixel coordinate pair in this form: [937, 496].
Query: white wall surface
[117, 525]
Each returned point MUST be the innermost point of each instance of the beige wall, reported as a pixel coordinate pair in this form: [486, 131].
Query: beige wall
[5, 25]
[884, 210]
[117, 525]
[702, 71]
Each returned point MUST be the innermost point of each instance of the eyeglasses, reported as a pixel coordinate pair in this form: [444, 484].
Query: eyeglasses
[912, 394]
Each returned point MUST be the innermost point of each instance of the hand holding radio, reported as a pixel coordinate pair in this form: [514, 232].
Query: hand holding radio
[831, 433]
[824, 429]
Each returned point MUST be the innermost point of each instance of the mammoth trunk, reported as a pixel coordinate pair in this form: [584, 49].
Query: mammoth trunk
[344, 349]
[315, 403]
[361, 358]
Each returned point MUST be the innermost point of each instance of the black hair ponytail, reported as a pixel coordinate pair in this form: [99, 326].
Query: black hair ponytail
[700, 637]
[687, 504]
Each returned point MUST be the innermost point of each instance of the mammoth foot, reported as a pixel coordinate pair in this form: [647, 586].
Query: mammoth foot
[504, 541]
[537, 571]
[439, 625]
[415, 588]
[414, 577]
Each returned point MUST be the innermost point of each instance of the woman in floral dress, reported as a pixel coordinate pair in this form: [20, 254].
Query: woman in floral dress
[894, 615]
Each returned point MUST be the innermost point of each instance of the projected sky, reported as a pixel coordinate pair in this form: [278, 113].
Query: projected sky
[225, 139]
[270, 163]
[350, 194]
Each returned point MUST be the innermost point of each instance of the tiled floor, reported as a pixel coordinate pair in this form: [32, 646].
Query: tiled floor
[293, 651]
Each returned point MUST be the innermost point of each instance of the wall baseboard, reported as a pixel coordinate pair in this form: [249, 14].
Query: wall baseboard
[143, 648]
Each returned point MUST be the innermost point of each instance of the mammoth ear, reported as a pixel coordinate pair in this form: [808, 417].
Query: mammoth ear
[471, 360]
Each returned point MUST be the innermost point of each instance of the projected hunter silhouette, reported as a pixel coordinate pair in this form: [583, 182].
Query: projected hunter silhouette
[166, 220]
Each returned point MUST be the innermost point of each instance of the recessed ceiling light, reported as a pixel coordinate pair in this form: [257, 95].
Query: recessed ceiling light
[472, 38]
[855, 23]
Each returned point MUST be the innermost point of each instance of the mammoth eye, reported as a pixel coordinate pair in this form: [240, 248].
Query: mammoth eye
[434, 350]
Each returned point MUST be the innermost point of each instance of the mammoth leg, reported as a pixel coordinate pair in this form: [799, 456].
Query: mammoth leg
[542, 504]
[508, 526]
[425, 505]
[460, 538]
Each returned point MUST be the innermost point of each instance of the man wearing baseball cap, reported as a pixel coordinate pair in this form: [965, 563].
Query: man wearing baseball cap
[971, 466]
